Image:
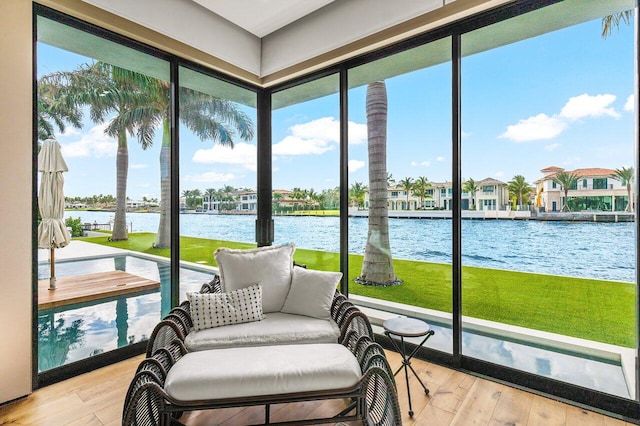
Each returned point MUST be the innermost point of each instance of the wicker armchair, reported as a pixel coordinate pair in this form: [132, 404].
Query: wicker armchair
[177, 324]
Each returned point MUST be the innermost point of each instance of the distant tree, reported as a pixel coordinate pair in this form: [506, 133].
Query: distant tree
[421, 188]
[471, 186]
[390, 180]
[406, 184]
[356, 193]
[625, 175]
[568, 181]
[211, 193]
[519, 189]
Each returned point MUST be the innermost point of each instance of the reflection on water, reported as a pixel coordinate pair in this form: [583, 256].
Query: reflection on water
[71, 333]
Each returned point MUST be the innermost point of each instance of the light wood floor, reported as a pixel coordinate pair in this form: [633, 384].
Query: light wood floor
[456, 398]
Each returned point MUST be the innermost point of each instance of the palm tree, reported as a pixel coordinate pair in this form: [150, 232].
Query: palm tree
[471, 186]
[276, 197]
[211, 193]
[407, 184]
[390, 180]
[208, 117]
[377, 266]
[421, 188]
[568, 181]
[625, 175]
[519, 188]
[108, 89]
[55, 108]
[611, 21]
[356, 193]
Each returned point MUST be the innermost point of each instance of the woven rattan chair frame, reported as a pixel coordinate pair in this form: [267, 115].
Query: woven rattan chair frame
[375, 397]
[165, 332]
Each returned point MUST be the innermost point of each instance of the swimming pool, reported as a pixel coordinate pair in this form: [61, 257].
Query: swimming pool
[70, 333]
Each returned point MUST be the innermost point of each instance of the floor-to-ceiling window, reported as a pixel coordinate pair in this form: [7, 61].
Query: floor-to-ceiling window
[305, 164]
[547, 173]
[547, 137]
[218, 196]
[400, 186]
[107, 106]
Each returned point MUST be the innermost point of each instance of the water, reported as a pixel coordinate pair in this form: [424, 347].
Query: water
[74, 332]
[580, 249]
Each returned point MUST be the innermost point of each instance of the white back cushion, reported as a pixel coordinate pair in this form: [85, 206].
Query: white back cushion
[311, 293]
[270, 266]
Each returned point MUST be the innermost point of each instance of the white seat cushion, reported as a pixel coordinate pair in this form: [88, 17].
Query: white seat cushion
[275, 329]
[259, 371]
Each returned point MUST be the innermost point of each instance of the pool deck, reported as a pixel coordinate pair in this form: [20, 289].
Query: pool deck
[89, 287]
[79, 250]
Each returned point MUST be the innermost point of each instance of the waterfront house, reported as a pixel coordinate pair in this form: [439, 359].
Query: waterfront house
[595, 190]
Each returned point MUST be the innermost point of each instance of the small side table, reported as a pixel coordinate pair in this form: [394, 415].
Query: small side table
[407, 327]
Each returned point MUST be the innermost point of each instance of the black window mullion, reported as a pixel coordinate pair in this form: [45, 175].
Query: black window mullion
[175, 182]
[456, 142]
[344, 181]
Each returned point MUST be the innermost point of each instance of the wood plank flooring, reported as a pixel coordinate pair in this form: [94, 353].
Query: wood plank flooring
[455, 398]
[84, 288]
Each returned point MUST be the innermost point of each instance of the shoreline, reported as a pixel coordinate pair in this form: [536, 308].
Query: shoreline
[584, 216]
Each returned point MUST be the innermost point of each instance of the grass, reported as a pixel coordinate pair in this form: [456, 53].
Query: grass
[598, 310]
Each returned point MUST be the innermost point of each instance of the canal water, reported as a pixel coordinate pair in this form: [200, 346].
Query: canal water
[580, 249]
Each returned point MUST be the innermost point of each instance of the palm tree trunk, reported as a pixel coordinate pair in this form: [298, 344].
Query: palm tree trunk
[377, 267]
[629, 209]
[122, 170]
[566, 202]
[164, 227]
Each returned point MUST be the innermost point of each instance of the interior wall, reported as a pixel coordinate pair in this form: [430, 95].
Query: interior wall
[15, 193]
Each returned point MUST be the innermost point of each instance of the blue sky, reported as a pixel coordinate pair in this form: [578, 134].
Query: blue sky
[561, 99]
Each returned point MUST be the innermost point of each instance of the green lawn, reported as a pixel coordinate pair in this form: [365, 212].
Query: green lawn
[590, 309]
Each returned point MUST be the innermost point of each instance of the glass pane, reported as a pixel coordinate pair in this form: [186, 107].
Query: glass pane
[306, 171]
[108, 108]
[400, 188]
[548, 121]
[218, 197]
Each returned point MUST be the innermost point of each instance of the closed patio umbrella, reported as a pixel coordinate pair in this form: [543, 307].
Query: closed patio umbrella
[52, 232]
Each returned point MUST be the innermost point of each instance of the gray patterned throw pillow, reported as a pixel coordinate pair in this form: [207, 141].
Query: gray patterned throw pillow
[217, 309]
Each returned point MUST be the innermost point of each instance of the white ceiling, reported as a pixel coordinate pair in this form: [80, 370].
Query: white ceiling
[262, 17]
[267, 36]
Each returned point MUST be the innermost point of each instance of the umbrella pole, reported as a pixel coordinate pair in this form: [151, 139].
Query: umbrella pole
[52, 279]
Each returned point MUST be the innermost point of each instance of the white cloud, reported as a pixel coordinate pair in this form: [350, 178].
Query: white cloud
[243, 154]
[629, 105]
[317, 137]
[413, 164]
[425, 163]
[138, 166]
[440, 159]
[210, 177]
[465, 134]
[585, 105]
[552, 147]
[70, 131]
[498, 174]
[542, 126]
[355, 165]
[92, 144]
[292, 145]
[534, 128]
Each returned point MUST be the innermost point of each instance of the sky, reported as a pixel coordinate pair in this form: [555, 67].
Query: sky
[563, 99]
